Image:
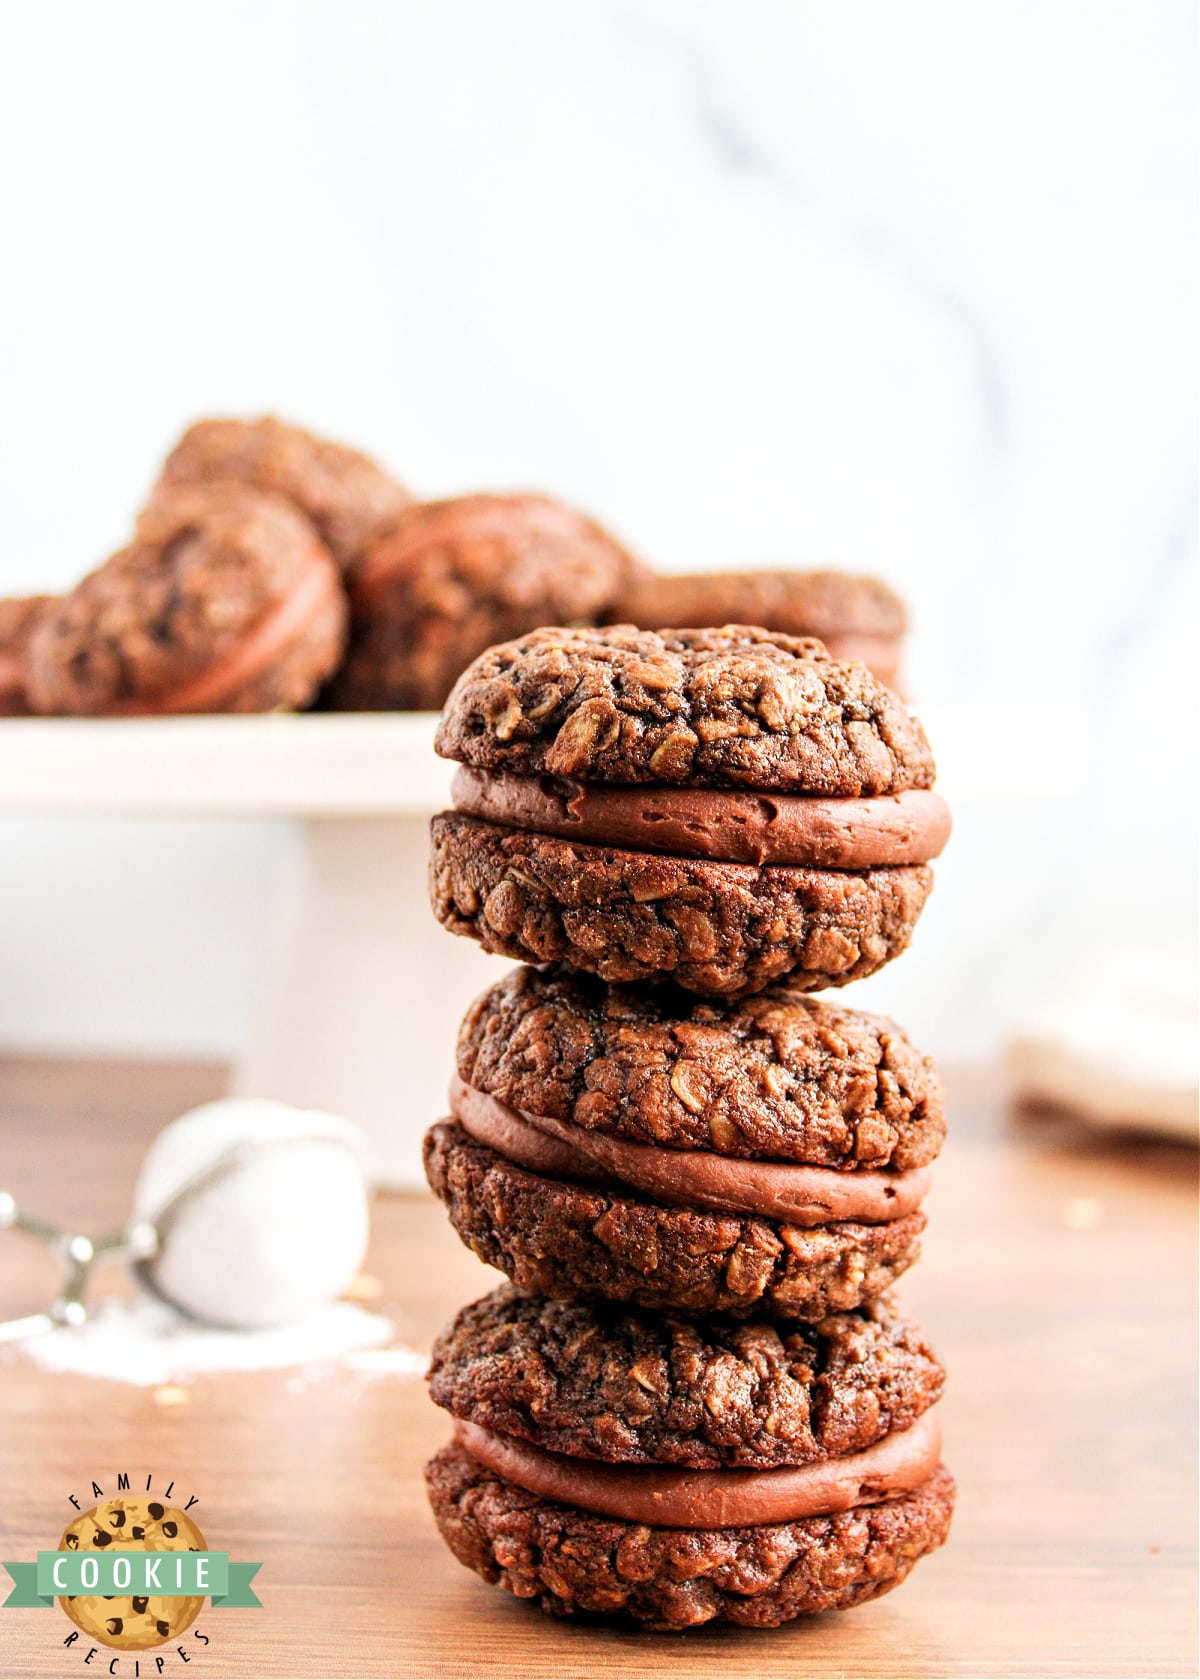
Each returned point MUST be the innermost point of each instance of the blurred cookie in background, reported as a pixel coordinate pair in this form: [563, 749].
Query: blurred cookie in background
[17, 620]
[856, 617]
[349, 498]
[454, 577]
[226, 601]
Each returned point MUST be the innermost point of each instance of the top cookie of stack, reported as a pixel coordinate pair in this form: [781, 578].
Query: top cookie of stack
[721, 808]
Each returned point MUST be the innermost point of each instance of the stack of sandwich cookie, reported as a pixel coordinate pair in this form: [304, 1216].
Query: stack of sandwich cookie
[698, 1402]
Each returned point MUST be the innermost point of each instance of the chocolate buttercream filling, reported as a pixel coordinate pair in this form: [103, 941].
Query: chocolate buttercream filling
[793, 1194]
[726, 825]
[266, 640]
[669, 1498]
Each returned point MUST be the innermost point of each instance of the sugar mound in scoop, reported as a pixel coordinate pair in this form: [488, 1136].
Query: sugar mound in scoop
[261, 1212]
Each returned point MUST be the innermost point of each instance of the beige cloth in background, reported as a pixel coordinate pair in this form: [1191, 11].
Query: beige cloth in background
[1119, 1045]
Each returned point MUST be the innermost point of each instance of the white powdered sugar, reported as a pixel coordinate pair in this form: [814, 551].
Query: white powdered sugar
[388, 1362]
[143, 1341]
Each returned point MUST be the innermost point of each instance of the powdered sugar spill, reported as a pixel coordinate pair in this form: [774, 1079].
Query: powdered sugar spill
[143, 1341]
[389, 1362]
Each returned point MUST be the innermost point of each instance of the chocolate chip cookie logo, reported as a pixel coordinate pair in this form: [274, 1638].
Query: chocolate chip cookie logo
[133, 1574]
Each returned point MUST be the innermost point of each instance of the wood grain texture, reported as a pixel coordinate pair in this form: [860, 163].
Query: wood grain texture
[1058, 1284]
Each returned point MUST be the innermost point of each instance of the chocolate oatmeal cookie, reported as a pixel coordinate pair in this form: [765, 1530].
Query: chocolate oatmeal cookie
[17, 620]
[777, 1075]
[349, 499]
[563, 1238]
[598, 1381]
[856, 617]
[616, 1462]
[226, 601]
[452, 577]
[720, 929]
[729, 708]
[570, 1561]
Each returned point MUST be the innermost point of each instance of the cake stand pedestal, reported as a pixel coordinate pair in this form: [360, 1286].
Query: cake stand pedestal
[361, 992]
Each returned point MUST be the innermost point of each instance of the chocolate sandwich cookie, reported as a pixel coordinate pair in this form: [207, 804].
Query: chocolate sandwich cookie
[226, 601]
[17, 620]
[774, 1076]
[643, 1466]
[763, 1158]
[455, 576]
[856, 617]
[722, 808]
[349, 498]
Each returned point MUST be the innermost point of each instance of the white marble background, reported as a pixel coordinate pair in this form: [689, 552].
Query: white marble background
[907, 288]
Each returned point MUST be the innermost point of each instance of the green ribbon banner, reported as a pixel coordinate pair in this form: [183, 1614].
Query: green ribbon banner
[117, 1574]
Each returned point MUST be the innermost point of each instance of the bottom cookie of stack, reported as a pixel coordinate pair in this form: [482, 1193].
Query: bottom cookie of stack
[615, 1462]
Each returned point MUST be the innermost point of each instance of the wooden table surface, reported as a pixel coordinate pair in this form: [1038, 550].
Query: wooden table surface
[1058, 1283]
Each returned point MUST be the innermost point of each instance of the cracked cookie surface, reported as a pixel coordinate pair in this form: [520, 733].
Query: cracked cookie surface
[594, 1380]
[776, 1075]
[731, 707]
